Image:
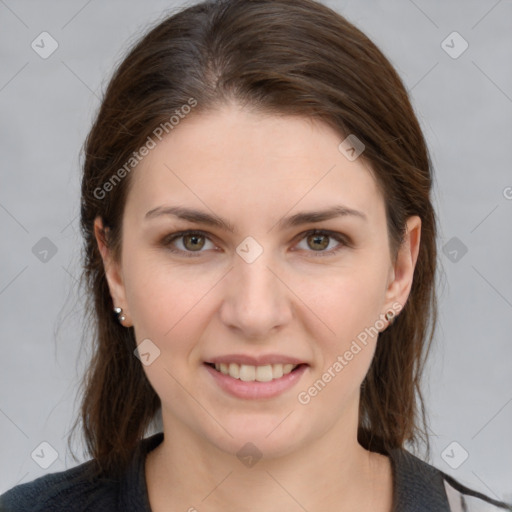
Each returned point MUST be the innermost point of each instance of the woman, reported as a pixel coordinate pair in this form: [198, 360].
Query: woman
[260, 254]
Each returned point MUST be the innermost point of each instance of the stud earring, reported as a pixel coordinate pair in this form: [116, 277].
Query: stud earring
[390, 316]
[119, 314]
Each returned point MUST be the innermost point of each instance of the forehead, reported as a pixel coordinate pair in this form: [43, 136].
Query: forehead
[232, 157]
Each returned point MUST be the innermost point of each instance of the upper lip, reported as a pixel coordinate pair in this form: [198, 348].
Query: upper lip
[255, 360]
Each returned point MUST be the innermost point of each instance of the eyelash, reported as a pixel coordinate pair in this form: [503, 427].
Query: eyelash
[168, 239]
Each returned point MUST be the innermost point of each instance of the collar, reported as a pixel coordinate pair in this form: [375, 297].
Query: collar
[417, 486]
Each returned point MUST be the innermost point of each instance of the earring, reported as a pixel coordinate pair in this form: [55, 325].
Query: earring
[119, 314]
[390, 316]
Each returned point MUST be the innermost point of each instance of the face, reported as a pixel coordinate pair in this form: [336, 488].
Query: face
[259, 287]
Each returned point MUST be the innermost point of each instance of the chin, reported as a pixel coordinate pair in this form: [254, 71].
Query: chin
[269, 437]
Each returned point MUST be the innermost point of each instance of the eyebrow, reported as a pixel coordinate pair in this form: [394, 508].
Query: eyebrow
[297, 219]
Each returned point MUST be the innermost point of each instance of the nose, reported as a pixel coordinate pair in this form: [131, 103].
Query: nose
[256, 300]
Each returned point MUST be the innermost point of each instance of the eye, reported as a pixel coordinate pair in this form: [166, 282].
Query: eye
[318, 240]
[191, 241]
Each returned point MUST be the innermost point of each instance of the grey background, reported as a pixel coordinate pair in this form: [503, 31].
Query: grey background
[465, 107]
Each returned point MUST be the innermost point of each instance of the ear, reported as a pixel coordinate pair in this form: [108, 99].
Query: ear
[402, 272]
[112, 270]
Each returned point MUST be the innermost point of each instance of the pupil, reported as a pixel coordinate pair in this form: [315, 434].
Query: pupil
[317, 237]
[194, 244]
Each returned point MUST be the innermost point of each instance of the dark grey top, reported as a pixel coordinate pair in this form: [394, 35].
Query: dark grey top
[418, 487]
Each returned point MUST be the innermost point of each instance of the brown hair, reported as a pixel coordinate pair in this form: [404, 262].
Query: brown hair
[284, 57]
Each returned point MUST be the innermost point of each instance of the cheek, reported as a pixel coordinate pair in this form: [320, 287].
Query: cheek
[166, 307]
[347, 300]
[167, 301]
[349, 303]
[159, 294]
[350, 306]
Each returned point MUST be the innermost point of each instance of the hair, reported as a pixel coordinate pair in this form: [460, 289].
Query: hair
[278, 57]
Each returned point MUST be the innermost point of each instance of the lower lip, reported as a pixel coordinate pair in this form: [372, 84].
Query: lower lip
[255, 389]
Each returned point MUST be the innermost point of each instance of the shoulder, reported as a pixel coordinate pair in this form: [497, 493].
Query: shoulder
[419, 486]
[79, 490]
[72, 490]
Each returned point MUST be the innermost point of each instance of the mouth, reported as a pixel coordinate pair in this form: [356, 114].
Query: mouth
[255, 382]
[251, 373]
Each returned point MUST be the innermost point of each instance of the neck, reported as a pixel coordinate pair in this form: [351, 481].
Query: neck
[329, 472]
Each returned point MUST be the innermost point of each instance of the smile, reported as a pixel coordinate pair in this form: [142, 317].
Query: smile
[261, 382]
[250, 373]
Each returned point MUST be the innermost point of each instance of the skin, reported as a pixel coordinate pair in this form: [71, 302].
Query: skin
[252, 170]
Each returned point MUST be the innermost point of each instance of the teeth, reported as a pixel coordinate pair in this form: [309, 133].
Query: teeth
[234, 370]
[249, 373]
